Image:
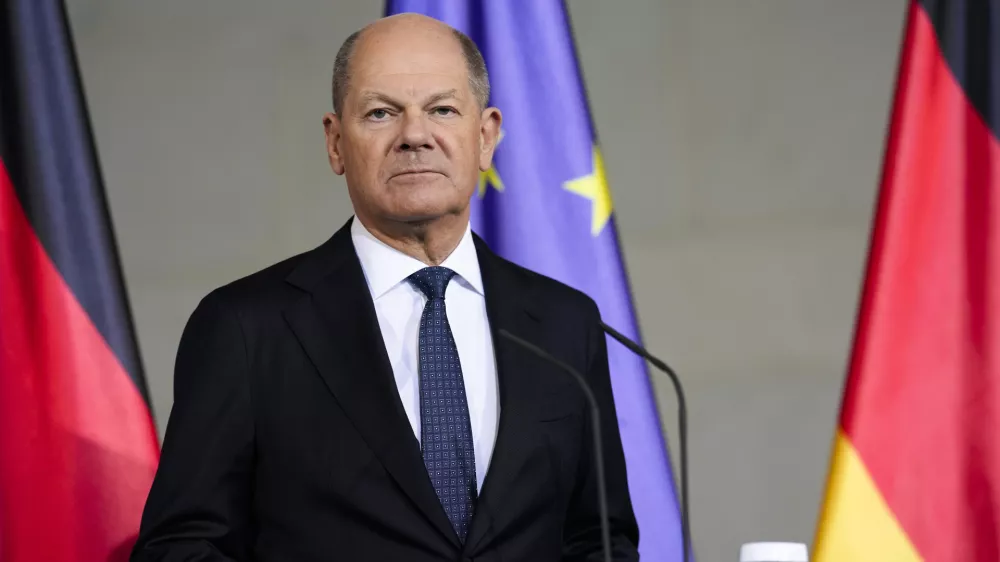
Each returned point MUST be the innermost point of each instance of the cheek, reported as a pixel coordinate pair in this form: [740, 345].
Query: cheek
[465, 153]
[364, 162]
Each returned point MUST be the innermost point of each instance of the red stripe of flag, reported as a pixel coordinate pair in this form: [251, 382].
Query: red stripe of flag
[78, 448]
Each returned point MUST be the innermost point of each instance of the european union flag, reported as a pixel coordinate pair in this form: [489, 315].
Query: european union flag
[545, 204]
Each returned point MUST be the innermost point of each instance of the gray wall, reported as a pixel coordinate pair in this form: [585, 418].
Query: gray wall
[742, 141]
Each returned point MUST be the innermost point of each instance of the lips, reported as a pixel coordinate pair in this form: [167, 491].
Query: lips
[421, 171]
[415, 172]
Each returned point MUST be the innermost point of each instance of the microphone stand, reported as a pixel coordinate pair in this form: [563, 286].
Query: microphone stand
[602, 494]
[681, 426]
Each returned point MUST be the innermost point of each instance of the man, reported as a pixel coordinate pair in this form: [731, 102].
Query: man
[356, 402]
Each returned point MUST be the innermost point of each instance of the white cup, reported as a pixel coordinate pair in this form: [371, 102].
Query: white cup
[774, 552]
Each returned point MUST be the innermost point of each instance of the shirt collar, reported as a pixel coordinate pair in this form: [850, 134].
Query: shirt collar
[385, 267]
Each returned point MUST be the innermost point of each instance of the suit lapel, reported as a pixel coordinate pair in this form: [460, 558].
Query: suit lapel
[507, 292]
[336, 324]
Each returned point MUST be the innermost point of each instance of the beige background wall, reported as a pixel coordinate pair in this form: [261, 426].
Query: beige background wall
[742, 140]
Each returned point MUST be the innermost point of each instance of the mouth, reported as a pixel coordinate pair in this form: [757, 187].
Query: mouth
[415, 175]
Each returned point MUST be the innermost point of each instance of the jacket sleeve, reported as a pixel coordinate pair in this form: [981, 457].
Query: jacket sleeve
[200, 501]
[582, 540]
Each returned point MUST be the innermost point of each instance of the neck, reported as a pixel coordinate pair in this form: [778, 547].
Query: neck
[430, 241]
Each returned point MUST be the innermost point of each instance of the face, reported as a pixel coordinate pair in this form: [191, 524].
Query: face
[411, 138]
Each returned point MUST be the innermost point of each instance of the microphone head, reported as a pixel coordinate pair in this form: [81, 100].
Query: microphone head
[774, 552]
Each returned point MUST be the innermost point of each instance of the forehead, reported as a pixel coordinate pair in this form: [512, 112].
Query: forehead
[416, 59]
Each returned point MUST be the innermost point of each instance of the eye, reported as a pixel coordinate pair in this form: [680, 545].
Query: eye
[444, 111]
[378, 114]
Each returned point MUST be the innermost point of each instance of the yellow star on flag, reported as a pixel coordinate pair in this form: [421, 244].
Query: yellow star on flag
[491, 176]
[594, 187]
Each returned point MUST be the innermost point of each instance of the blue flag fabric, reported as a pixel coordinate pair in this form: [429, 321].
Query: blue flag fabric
[545, 205]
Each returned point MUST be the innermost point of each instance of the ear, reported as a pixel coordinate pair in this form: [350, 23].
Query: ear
[489, 136]
[332, 127]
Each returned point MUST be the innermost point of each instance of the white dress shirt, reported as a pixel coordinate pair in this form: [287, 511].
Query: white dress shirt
[399, 305]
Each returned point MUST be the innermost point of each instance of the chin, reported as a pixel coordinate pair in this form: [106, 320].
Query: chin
[421, 215]
[425, 211]
[425, 207]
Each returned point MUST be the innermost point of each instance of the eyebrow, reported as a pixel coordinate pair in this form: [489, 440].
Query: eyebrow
[369, 97]
[442, 96]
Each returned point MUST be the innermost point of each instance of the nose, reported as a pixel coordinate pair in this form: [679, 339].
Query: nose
[415, 134]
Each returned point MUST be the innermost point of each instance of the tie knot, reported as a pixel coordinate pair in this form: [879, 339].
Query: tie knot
[432, 281]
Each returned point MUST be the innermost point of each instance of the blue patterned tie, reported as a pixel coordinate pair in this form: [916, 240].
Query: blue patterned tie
[445, 430]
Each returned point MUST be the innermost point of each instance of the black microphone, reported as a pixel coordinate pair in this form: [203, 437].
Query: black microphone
[681, 426]
[602, 494]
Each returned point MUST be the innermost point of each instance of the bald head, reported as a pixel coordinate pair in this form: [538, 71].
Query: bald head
[404, 29]
[411, 132]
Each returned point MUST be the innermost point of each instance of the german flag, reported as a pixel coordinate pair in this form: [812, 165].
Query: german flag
[915, 473]
[78, 447]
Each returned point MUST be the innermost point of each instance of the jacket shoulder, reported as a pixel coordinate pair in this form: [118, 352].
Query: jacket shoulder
[268, 282]
[264, 289]
[556, 295]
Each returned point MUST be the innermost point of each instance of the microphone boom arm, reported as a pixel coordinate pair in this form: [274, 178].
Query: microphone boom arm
[681, 426]
[595, 419]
